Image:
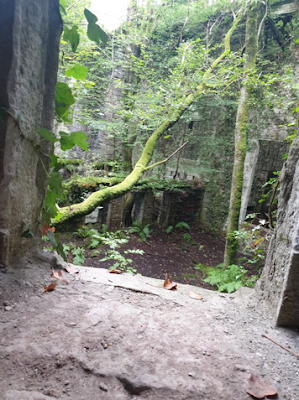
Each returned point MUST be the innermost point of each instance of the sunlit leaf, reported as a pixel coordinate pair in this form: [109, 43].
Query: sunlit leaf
[78, 72]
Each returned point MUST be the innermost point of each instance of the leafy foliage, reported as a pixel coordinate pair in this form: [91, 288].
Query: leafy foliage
[143, 231]
[229, 279]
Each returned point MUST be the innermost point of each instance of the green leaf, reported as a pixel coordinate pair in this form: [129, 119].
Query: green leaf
[50, 204]
[169, 229]
[71, 36]
[64, 99]
[78, 72]
[63, 3]
[94, 31]
[53, 160]
[47, 135]
[66, 142]
[59, 247]
[80, 139]
[54, 182]
[297, 41]
[91, 18]
[27, 234]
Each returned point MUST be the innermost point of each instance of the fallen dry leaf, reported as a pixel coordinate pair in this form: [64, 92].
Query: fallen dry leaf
[50, 288]
[115, 271]
[45, 228]
[259, 389]
[195, 296]
[59, 275]
[168, 284]
[71, 270]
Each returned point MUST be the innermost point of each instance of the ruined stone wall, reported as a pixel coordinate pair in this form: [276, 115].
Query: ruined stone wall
[30, 32]
[279, 284]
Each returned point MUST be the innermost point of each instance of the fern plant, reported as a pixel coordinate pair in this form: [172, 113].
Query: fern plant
[229, 279]
[78, 254]
[143, 231]
[181, 224]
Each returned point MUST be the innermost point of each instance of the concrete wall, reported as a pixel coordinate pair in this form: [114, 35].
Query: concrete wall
[30, 32]
[279, 284]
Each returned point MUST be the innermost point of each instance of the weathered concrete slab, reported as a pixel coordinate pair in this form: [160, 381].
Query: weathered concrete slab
[279, 284]
[108, 336]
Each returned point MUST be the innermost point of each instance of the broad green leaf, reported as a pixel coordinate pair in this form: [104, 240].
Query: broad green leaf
[54, 182]
[71, 36]
[63, 3]
[47, 135]
[54, 160]
[64, 99]
[78, 72]
[297, 41]
[66, 142]
[59, 247]
[94, 31]
[91, 18]
[80, 139]
[50, 204]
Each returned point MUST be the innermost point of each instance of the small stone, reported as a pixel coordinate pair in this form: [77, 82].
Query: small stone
[66, 383]
[8, 308]
[103, 387]
[105, 345]
[192, 374]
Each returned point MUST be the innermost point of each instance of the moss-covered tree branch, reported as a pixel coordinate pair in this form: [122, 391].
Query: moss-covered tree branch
[107, 194]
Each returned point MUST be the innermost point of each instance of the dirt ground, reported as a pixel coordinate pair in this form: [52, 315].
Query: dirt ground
[168, 254]
[108, 336]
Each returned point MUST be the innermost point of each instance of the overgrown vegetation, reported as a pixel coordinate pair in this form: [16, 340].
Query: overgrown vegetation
[227, 279]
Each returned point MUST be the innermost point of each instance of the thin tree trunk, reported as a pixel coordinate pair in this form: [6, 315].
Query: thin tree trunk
[109, 193]
[251, 46]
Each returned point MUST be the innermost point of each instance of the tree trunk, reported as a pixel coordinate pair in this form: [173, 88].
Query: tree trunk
[29, 48]
[251, 46]
[107, 194]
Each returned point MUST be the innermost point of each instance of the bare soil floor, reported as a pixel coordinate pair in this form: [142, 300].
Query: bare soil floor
[119, 337]
[168, 254]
